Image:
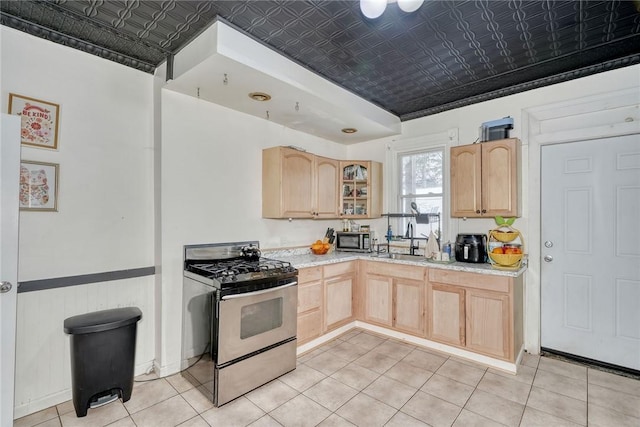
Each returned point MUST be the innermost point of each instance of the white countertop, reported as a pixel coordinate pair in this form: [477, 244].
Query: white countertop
[304, 260]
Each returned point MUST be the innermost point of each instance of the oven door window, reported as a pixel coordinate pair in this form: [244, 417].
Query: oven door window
[261, 317]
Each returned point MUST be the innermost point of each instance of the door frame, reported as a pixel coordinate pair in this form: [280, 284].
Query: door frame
[609, 115]
[10, 171]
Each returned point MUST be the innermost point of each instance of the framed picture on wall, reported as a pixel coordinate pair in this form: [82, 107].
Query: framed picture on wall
[38, 186]
[39, 127]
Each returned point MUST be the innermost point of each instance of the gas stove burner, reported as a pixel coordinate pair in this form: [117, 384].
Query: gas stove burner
[240, 269]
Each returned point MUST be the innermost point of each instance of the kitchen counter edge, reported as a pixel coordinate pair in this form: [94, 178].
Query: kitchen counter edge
[310, 260]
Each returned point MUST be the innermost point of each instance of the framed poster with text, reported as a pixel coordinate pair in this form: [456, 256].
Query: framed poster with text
[39, 121]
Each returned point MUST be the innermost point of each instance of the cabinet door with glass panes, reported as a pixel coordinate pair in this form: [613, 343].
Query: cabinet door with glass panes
[360, 188]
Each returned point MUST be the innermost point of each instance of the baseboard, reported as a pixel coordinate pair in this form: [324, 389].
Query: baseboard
[422, 342]
[324, 338]
[454, 351]
[62, 396]
[165, 371]
[41, 403]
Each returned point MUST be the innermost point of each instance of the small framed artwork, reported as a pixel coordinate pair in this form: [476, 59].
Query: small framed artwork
[39, 127]
[39, 186]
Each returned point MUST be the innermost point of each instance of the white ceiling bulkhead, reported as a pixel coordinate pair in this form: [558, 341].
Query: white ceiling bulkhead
[224, 66]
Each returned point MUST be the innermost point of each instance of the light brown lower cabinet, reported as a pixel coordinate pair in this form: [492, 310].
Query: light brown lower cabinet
[478, 312]
[488, 322]
[325, 299]
[339, 283]
[481, 313]
[395, 297]
[446, 314]
[310, 304]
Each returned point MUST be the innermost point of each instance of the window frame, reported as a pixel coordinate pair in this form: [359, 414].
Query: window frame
[443, 140]
[402, 199]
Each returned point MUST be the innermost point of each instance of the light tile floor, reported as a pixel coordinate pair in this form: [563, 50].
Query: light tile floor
[363, 379]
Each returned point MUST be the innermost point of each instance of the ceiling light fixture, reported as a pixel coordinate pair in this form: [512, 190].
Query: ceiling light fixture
[373, 9]
[349, 130]
[259, 96]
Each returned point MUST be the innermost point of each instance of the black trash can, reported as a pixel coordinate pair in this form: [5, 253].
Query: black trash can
[103, 349]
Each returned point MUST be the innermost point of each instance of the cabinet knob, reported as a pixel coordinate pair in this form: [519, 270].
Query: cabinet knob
[484, 211]
[478, 211]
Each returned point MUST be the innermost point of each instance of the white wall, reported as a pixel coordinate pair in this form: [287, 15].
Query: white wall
[105, 207]
[211, 192]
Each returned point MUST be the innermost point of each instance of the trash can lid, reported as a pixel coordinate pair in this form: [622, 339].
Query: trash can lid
[103, 320]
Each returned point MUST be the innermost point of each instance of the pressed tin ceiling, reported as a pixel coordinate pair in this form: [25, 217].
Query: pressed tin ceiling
[448, 54]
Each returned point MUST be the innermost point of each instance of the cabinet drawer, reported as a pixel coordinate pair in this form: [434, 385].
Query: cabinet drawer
[309, 274]
[339, 269]
[309, 296]
[470, 280]
[309, 326]
[396, 270]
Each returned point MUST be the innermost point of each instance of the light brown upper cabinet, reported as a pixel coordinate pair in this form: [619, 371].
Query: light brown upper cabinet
[297, 184]
[485, 179]
[360, 189]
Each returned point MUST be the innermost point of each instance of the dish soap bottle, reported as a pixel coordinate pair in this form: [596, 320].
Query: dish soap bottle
[389, 234]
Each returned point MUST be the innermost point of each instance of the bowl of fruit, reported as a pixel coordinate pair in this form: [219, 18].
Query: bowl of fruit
[320, 248]
[505, 236]
[506, 255]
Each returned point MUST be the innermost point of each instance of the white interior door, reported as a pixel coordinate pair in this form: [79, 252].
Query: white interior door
[590, 267]
[9, 181]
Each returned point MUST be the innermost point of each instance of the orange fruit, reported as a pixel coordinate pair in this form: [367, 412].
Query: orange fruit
[498, 250]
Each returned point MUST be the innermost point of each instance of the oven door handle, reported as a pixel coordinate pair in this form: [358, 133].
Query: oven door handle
[264, 291]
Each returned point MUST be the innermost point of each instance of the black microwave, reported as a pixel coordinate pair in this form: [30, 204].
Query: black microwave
[353, 241]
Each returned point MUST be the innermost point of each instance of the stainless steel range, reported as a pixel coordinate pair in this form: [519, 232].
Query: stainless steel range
[239, 311]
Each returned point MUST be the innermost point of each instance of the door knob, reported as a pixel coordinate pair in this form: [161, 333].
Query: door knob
[548, 244]
[5, 287]
[548, 258]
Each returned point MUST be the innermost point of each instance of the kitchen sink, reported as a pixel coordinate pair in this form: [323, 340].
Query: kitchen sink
[404, 257]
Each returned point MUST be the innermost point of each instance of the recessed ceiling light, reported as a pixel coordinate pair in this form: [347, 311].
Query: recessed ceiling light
[349, 130]
[259, 96]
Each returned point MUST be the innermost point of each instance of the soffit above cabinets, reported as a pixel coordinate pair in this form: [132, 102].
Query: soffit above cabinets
[223, 66]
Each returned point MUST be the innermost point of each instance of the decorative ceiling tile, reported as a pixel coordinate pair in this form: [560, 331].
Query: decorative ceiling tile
[447, 54]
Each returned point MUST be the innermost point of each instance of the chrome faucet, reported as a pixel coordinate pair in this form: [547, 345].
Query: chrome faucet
[412, 247]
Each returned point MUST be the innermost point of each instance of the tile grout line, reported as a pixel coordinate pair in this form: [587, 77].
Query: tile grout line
[529, 394]
[587, 424]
